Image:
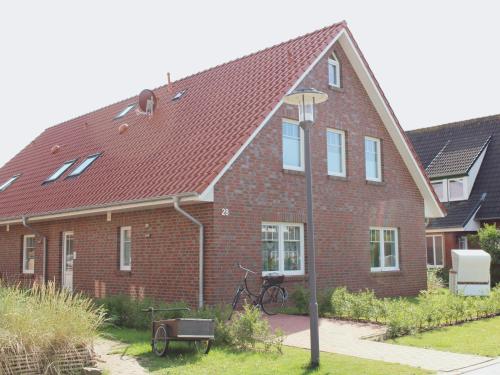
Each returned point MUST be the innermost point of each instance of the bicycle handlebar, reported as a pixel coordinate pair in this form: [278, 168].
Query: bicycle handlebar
[246, 269]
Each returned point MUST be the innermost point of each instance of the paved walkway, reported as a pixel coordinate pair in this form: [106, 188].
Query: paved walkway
[350, 339]
[116, 363]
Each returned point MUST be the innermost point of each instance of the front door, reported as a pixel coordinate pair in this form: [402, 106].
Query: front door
[68, 257]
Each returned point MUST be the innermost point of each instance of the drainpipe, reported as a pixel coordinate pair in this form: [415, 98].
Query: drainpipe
[26, 225]
[201, 240]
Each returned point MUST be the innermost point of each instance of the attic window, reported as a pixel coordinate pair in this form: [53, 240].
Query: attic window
[179, 95]
[54, 176]
[84, 165]
[333, 71]
[126, 110]
[9, 182]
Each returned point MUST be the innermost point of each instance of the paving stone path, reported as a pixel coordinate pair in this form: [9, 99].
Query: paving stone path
[116, 363]
[349, 338]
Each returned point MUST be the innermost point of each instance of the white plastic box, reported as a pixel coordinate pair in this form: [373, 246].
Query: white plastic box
[470, 273]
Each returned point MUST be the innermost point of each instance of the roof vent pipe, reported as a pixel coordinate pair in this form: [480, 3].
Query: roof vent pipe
[44, 261]
[201, 248]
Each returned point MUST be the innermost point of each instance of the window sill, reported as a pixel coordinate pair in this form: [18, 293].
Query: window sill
[337, 178]
[124, 272]
[375, 183]
[292, 278]
[335, 88]
[386, 273]
[28, 274]
[294, 172]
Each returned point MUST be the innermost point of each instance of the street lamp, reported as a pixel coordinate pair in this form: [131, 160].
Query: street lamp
[306, 100]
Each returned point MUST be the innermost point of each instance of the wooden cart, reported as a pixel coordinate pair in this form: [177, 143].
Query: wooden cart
[201, 332]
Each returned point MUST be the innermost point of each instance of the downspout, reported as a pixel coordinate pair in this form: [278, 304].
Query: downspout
[44, 262]
[201, 240]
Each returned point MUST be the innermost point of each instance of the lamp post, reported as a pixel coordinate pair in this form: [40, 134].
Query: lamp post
[306, 100]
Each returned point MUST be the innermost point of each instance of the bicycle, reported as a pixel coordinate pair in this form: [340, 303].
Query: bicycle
[272, 296]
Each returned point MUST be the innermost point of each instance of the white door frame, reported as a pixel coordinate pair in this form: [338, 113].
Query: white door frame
[63, 268]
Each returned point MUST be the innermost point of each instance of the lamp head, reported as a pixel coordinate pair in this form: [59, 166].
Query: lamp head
[306, 99]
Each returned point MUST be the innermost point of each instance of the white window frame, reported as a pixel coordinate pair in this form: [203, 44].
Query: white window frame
[379, 159]
[334, 61]
[465, 241]
[9, 182]
[382, 268]
[124, 267]
[343, 173]
[445, 188]
[25, 270]
[434, 250]
[464, 192]
[301, 141]
[281, 248]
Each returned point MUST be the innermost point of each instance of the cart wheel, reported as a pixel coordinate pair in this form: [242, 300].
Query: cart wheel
[160, 342]
[203, 346]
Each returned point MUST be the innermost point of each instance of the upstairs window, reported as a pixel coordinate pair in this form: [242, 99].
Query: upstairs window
[58, 173]
[9, 182]
[335, 143]
[333, 71]
[84, 165]
[441, 189]
[126, 110]
[293, 146]
[456, 189]
[373, 164]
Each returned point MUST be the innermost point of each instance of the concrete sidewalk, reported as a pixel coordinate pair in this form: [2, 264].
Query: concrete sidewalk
[349, 338]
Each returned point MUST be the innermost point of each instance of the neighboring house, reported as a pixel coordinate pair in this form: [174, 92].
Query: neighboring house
[104, 204]
[462, 160]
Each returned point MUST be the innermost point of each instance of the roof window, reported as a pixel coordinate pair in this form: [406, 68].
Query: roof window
[179, 95]
[9, 182]
[126, 110]
[84, 165]
[58, 173]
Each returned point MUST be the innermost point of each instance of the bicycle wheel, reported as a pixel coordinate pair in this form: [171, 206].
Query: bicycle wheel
[236, 299]
[160, 341]
[273, 300]
[203, 346]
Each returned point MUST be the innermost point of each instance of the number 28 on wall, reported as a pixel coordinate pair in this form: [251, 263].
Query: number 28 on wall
[225, 211]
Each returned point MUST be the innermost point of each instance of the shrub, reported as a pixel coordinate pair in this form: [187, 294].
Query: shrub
[300, 298]
[434, 279]
[247, 330]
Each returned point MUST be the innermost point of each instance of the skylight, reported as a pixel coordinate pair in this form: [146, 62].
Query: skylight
[126, 110]
[9, 182]
[54, 176]
[84, 165]
[179, 95]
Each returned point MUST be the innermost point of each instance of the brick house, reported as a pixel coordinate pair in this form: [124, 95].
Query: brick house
[112, 201]
[462, 161]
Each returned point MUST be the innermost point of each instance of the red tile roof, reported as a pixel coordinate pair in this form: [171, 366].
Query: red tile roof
[181, 148]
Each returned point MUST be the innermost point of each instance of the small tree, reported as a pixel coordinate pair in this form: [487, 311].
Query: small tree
[489, 238]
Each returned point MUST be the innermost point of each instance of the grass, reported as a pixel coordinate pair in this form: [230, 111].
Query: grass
[226, 361]
[481, 337]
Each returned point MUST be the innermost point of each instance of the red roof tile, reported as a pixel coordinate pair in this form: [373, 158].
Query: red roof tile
[179, 149]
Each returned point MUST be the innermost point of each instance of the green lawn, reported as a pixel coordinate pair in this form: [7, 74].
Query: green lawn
[223, 361]
[481, 337]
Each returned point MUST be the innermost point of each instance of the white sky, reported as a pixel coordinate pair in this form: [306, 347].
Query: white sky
[437, 61]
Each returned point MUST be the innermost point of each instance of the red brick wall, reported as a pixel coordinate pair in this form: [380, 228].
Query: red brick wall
[164, 253]
[257, 189]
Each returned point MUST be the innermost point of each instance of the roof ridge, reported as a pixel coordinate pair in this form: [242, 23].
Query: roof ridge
[334, 25]
[451, 124]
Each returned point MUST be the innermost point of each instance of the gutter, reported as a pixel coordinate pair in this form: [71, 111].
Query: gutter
[26, 225]
[177, 207]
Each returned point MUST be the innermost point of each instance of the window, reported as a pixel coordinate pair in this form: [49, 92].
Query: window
[333, 71]
[125, 111]
[373, 163]
[384, 249]
[293, 146]
[179, 95]
[435, 251]
[29, 254]
[84, 165]
[9, 182]
[456, 189]
[54, 176]
[441, 189]
[463, 243]
[283, 248]
[125, 248]
[335, 141]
